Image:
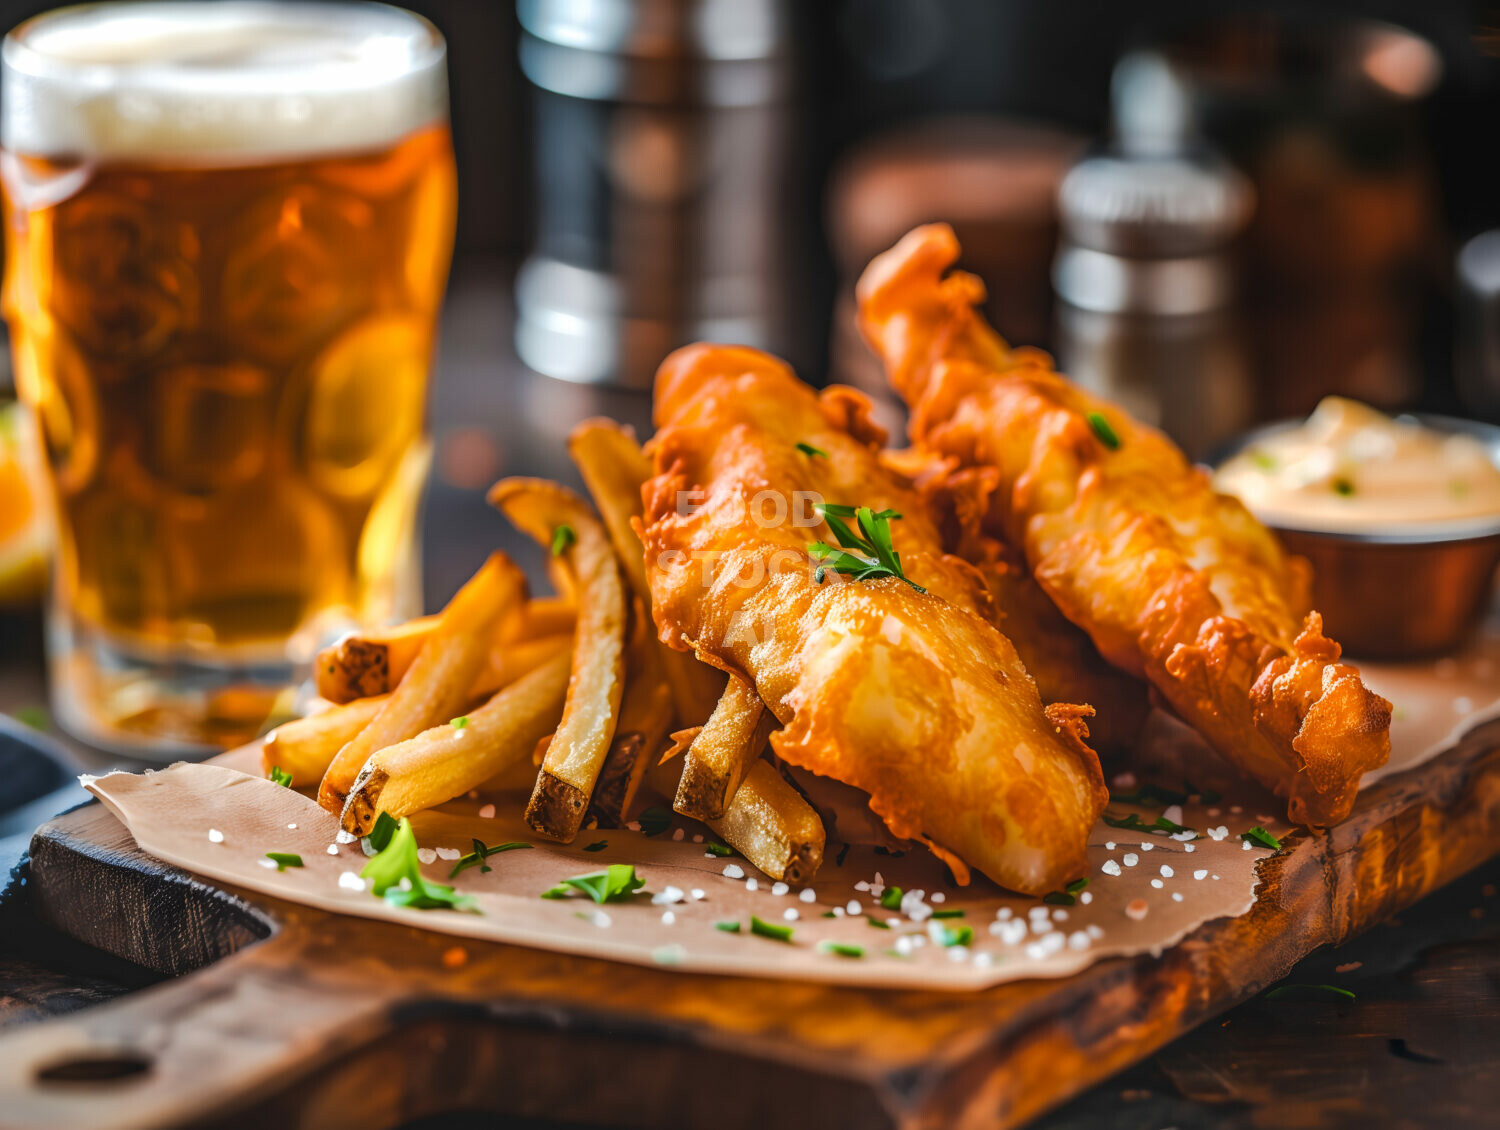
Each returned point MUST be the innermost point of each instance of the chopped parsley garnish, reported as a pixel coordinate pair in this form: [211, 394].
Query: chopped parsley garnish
[615, 883]
[1258, 835]
[395, 874]
[713, 847]
[280, 776]
[284, 859]
[948, 913]
[877, 556]
[380, 835]
[878, 924]
[562, 539]
[809, 450]
[1136, 824]
[597, 845]
[954, 935]
[829, 914]
[1308, 992]
[1102, 429]
[481, 852]
[729, 927]
[460, 722]
[1065, 897]
[1077, 885]
[654, 820]
[1343, 486]
[770, 930]
[891, 897]
[841, 949]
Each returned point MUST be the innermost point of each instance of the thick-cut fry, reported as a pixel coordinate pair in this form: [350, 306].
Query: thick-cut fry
[447, 761]
[305, 747]
[614, 469]
[438, 684]
[645, 717]
[722, 752]
[576, 753]
[770, 824]
[365, 664]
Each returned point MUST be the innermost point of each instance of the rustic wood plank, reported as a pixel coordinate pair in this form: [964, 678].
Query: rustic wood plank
[334, 1020]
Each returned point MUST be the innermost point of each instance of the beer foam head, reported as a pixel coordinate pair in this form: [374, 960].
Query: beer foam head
[239, 81]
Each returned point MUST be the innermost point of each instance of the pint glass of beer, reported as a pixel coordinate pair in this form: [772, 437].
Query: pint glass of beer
[228, 229]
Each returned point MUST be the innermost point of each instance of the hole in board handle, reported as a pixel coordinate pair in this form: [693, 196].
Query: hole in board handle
[103, 1067]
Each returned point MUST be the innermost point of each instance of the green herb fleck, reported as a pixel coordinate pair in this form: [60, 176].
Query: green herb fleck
[460, 722]
[878, 924]
[1343, 486]
[838, 860]
[597, 845]
[729, 927]
[841, 949]
[1102, 429]
[891, 898]
[713, 847]
[280, 776]
[954, 935]
[654, 820]
[1258, 835]
[1308, 992]
[829, 914]
[1059, 898]
[948, 913]
[809, 450]
[1264, 460]
[284, 859]
[563, 539]
[1077, 885]
[380, 835]
[1136, 824]
[616, 883]
[481, 852]
[877, 556]
[770, 930]
[396, 875]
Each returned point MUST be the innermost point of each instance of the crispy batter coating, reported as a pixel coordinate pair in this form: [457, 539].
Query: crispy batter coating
[914, 697]
[1172, 581]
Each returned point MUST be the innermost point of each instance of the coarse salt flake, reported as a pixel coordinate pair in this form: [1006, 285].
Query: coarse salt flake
[215, 836]
[601, 919]
[1166, 872]
[1086, 897]
[1130, 859]
[733, 871]
[333, 849]
[807, 894]
[779, 888]
[678, 835]
[852, 906]
[667, 917]
[667, 896]
[351, 882]
[696, 892]
[1157, 883]
[344, 837]
[1079, 940]
[938, 896]
[1201, 873]
[752, 884]
[1110, 867]
[790, 914]
[449, 854]
[488, 813]
[1147, 847]
[1176, 896]
[427, 855]
[1218, 833]
[1109, 845]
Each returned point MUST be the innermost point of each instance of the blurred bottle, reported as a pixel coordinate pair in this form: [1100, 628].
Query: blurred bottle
[661, 130]
[1478, 354]
[1144, 274]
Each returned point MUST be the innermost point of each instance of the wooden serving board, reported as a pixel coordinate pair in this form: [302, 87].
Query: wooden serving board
[289, 1016]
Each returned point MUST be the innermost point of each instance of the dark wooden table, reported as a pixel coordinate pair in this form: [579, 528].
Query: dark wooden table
[1418, 1046]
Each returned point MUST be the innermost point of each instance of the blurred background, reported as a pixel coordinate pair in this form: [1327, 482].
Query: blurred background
[1214, 212]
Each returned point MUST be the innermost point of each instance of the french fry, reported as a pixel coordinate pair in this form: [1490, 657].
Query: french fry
[722, 752]
[306, 747]
[770, 824]
[645, 717]
[365, 664]
[437, 686]
[577, 751]
[614, 469]
[447, 761]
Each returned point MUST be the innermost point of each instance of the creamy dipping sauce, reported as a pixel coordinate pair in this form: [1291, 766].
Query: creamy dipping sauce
[1351, 469]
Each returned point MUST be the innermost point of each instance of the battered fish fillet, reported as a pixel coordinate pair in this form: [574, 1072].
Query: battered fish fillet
[1172, 581]
[912, 696]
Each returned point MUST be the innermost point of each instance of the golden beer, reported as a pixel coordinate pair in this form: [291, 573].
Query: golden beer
[222, 290]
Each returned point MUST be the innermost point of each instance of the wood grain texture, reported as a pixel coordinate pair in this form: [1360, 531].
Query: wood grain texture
[333, 1021]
